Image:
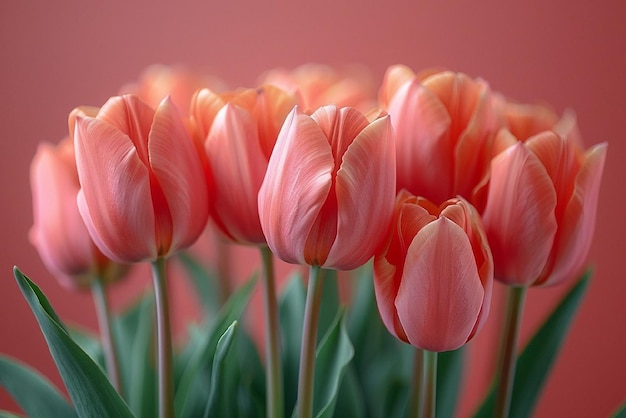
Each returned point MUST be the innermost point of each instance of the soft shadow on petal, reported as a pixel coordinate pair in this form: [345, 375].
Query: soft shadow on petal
[295, 187]
[441, 295]
[115, 200]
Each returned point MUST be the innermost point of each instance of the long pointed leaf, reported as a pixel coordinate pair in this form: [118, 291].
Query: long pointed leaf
[537, 358]
[333, 355]
[90, 390]
[219, 390]
[201, 357]
[33, 393]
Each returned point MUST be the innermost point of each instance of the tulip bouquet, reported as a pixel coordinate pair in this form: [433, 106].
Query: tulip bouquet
[411, 204]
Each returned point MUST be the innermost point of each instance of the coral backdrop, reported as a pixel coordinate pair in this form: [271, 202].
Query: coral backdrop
[57, 55]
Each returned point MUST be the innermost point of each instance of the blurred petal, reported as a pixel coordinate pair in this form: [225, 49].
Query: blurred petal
[395, 76]
[575, 232]
[441, 294]
[238, 162]
[519, 216]
[204, 107]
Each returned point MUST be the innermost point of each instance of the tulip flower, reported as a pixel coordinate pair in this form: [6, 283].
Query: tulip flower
[541, 207]
[433, 278]
[239, 131]
[143, 190]
[58, 232]
[327, 197]
[444, 127]
[320, 85]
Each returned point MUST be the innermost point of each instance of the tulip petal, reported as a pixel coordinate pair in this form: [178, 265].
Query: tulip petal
[441, 295]
[132, 117]
[176, 165]
[423, 143]
[576, 229]
[387, 278]
[58, 232]
[394, 78]
[296, 186]
[204, 107]
[519, 215]
[115, 201]
[273, 105]
[365, 188]
[237, 160]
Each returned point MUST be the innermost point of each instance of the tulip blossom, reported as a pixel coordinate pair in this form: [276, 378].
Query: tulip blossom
[327, 197]
[319, 85]
[433, 278]
[541, 206]
[143, 190]
[58, 232]
[239, 131]
[444, 127]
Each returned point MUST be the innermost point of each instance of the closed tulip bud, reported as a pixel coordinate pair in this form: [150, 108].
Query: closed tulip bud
[327, 197]
[143, 189]
[444, 126]
[541, 206]
[58, 232]
[239, 131]
[433, 278]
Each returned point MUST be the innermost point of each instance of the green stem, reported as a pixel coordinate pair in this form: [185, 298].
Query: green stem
[508, 349]
[309, 342]
[429, 384]
[416, 384]
[274, 375]
[164, 340]
[106, 333]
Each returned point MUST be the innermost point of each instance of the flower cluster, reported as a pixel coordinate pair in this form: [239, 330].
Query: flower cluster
[444, 183]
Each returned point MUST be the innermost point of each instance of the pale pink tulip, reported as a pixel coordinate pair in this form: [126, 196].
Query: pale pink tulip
[327, 197]
[143, 188]
[159, 81]
[541, 206]
[58, 232]
[433, 278]
[319, 85]
[239, 130]
[444, 126]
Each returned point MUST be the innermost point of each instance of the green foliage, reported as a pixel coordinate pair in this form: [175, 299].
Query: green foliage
[537, 358]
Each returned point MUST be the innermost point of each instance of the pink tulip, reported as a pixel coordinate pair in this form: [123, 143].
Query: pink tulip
[58, 232]
[433, 278]
[239, 131]
[143, 188]
[541, 206]
[327, 197]
[319, 85]
[444, 127]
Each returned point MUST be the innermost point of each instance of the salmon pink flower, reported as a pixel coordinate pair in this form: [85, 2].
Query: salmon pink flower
[433, 278]
[239, 130]
[444, 126]
[319, 85]
[541, 206]
[143, 191]
[327, 197]
[58, 232]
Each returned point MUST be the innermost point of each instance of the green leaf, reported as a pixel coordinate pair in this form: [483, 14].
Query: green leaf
[350, 402]
[7, 414]
[134, 333]
[449, 374]
[330, 302]
[291, 317]
[188, 399]
[89, 343]
[333, 355]
[33, 392]
[537, 358]
[205, 282]
[216, 406]
[90, 390]
[620, 412]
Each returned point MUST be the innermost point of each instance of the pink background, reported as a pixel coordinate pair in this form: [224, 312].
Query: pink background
[57, 55]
